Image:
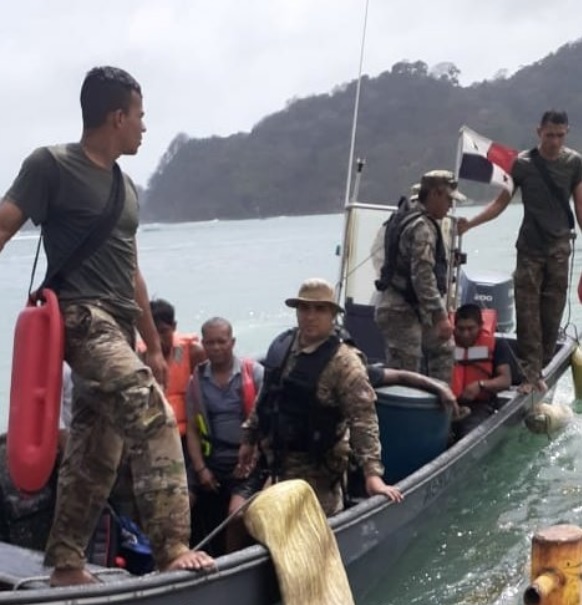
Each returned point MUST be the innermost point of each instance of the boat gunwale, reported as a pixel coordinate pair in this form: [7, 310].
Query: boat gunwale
[461, 448]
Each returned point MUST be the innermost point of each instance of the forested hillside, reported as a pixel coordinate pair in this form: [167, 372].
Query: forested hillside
[295, 161]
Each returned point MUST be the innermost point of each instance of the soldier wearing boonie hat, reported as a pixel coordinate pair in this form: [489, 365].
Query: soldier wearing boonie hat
[316, 405]
[315, 291]
[410, 307]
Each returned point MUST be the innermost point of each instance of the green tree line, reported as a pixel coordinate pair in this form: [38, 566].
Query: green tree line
[295, 161]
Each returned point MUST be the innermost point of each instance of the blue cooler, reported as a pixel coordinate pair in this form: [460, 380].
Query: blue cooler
[414, 429]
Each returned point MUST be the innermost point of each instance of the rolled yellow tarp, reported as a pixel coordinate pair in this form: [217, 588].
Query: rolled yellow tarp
[289, 521]
[576, 365]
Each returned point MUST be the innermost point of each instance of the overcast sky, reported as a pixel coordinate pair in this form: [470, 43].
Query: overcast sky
[217, 67]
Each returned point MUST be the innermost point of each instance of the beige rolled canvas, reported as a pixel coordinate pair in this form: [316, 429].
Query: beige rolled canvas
[289, 521]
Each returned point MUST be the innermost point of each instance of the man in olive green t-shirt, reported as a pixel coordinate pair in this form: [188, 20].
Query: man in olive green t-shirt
[117, 403]
[544, 241]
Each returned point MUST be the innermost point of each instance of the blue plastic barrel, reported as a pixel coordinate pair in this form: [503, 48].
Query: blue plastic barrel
[414, 429]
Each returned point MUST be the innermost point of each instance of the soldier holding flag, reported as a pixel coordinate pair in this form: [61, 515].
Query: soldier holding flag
[548, 176]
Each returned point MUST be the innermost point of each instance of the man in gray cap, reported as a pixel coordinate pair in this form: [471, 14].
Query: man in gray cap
[410, 307]
[316, 405]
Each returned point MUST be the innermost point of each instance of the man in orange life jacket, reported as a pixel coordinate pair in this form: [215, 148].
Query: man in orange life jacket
[221, 394]
[182, 353]
[481, 367]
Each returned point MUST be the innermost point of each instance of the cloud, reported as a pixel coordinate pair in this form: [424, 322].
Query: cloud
[214, 68]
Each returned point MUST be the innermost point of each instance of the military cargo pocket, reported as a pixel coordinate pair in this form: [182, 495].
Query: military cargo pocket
[144, 411]
[78, 320]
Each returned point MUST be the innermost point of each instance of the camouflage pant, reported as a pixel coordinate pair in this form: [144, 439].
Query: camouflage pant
[327, 486]
[413, 346]
[117, 403]
[541, 284]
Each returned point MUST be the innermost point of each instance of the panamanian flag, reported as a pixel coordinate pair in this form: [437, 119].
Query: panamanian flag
[480, 159]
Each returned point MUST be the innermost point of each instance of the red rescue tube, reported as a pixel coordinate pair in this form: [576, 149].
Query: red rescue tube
[35, 392]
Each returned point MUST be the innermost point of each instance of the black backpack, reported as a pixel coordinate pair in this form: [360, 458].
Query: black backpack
[395, 225]
[403, 216]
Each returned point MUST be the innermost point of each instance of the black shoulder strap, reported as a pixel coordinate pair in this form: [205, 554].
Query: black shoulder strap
[440, 243]
[556, 191]
[96, 235]
[280, 349]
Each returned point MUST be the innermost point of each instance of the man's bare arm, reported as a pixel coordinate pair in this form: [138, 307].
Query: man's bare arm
[11, 219]
[577, 195]
[491, 211]
[145, 323]
[147, 329]
[501, 380]
[415, 380]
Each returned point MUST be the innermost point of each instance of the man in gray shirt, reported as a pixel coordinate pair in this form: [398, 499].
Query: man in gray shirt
[221, 394]
[548, 176]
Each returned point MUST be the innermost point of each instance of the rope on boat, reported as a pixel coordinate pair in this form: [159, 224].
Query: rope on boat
[224, 523]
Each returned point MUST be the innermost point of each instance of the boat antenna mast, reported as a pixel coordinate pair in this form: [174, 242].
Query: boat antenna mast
[344, 245]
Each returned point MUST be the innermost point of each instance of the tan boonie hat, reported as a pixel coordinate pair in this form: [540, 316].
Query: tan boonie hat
[435, 178]
[315, 290]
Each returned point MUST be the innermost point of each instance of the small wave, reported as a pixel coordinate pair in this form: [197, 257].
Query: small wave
[151, 227]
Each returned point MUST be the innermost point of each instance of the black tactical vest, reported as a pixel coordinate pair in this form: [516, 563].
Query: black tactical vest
[288, 410]
[395, 226]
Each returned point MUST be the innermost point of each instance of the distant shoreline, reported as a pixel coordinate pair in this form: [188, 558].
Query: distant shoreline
[29, 227]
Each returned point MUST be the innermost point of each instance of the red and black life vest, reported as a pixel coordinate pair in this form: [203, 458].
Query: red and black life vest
[475, 363]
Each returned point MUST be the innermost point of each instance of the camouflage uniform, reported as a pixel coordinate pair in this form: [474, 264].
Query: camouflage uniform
[117, 402]
[116, 399]
[343, 383]
[543, 249]
[408, 330]
[541, 286]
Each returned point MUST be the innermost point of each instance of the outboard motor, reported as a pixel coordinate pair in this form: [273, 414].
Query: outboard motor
[489, 290]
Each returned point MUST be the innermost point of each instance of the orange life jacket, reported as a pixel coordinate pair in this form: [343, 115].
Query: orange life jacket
[476, 362]
[179, 371]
